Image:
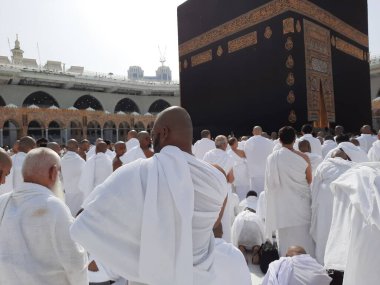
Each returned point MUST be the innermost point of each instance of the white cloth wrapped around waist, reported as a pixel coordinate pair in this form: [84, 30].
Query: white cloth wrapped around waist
[165, 207]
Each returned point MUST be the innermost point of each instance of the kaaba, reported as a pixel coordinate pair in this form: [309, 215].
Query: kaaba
[274, 63]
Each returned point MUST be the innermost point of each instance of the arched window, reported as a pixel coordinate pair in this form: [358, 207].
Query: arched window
[124, 128]
[76, 131]
[139, 126]
[88, 101]
[54, 132]
[93, 131]
[158, 106]
[10, 132]
[35, 130]
[126, 105]
[109, 131]
[40, 99]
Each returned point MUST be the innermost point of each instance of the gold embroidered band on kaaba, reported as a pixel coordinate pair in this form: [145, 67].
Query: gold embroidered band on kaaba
[268, 11]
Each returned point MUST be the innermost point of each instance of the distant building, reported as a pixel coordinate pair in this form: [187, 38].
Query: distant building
[58, 103]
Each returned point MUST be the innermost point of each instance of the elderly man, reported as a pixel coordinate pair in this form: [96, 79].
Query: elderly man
[15, 178]
[35, 243]
[160, 205]
[120, 150]
[203, 145]
[96, 170]
[72, 166]
[297, 268]
[132, 140]
[257, 149]
[354, 153]
[5, 168]
[141, 151]
[322, 199]
[366, 138]
[287, 192]
[220, 157]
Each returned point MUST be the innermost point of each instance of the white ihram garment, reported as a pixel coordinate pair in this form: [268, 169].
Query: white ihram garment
[131, 143]
[315, 143]
[132, 155]
[172, 201]
[15, 178]
[327, 146]
[247, 230]
[35, 243]
[374, 152]
[297, 270]
[221, 158]
[71, 168]
[235, 269]
[361, 185]
[257, 149]
[95, 172]
[315, 161]
[202, 146]
[366, 141]
[288, 200]
[355, 153]
[241, 181]
[322, 202]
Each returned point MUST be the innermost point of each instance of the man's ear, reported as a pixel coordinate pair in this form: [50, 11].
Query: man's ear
[53, 172]
[164, 133]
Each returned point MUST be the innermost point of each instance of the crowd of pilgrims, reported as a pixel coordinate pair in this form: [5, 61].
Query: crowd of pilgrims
[314, 194]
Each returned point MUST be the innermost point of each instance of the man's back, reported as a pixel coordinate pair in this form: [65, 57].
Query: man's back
[35, 245]
[315, 143]
[202, 146]
[257, 149]
[71, 167]
[164, 211]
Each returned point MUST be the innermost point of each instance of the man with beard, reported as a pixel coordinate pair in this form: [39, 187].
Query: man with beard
[35, 244]
[165, 207]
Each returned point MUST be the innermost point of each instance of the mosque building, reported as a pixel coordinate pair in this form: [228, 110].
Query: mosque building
[59, 104]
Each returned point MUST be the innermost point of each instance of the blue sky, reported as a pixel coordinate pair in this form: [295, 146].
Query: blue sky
[108, 36]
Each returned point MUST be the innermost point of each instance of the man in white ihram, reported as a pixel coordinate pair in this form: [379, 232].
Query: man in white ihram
[15, 179]
[374, 151]
[361, 187]
[257, 149]
[287, 191]
[96, 170]
[166, 212]
[366, 138]
[297, 268]
[203, 145]
[220, 157]
[141, 151]
[315, 144]
[322, 199]
[132, 140]
[71, 167]
[35, 243]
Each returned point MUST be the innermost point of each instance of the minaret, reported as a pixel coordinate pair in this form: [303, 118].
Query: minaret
[17, 53]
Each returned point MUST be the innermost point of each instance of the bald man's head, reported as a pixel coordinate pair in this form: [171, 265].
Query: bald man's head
[366, 129]
[5, 166]
[295, 250]
[144, 140]
[257, 131]
[120, 148]
[41, 166]
[72, 145]
[304, 146]
[101, 146]
[26, 144]
[131, 134]
[54, 146]
[173, 126]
